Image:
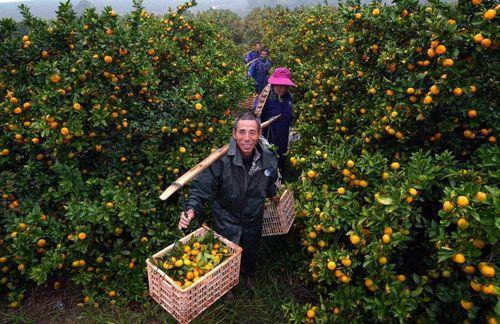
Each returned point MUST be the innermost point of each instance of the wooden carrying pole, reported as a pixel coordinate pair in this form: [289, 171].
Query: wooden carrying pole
[209, 160]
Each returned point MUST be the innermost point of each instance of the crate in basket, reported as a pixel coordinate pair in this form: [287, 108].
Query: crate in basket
[278, 218]
[184, 304]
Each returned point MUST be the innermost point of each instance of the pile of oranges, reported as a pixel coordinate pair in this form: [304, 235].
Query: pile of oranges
[188, 262]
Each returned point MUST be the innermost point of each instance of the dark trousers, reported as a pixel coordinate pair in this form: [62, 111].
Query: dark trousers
[250, 242]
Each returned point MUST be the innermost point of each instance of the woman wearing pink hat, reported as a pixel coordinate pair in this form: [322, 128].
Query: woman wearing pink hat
[279, 102]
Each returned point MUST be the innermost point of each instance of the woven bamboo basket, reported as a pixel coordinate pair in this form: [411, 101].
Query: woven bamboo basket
[186, 304]
[247, 104]
[278, 218]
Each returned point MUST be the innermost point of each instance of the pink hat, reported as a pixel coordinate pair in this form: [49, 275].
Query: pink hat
[281, 76]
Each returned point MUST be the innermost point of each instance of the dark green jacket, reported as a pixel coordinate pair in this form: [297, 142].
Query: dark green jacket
[237, 194]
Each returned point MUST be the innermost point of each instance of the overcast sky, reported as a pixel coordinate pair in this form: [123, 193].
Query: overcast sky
[47, 8]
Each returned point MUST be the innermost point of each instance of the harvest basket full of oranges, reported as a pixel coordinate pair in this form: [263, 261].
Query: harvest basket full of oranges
[188, 276]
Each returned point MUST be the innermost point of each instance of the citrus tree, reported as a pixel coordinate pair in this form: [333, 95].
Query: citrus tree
[99, 113]
[398, 191]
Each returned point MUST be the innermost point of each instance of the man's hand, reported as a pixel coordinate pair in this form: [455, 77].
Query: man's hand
[275, 199]
[186, 218]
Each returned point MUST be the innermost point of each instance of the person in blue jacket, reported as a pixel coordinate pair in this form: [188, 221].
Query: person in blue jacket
[259, 70]
[253, 54]
[279, 102]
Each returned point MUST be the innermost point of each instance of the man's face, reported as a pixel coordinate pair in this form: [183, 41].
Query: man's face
[246, 135]
[264, 54]
[258, 47]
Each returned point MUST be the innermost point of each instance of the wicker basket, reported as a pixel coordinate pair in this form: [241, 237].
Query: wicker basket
[185, 304]
[247, 104]
[278, 218]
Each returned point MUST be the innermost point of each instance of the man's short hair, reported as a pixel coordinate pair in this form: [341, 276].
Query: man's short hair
[265, 50]
[247, 116]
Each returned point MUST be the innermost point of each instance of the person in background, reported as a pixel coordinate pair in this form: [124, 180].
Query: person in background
[279, 102]
[259, 70]
[237, 185]
[253, 54]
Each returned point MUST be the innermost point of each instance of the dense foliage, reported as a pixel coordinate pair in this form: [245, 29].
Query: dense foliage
[398, 195]
[98, 114]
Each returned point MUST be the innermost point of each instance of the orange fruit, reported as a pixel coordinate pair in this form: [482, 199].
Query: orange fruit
[427, 100]
[354, 239]
[346, 262]
[311, 313]
[64, 131]
[368, 282]
[431, 53]
[472, 113]
[478, 38]
[488, 271]
[376, 12]
[489, 289]
[54, 78]
[462, 223]
[386, 239]
[198, 106]
[82, 236]
[462, 201]
[434, 90]
[440, 49]
[331, 265]
[458, 258]
[388, 230]
[382, 260]
[486, 43]
[467, 305]
[481, 196]
[41, 243]
[458, 91]
[448, 62]
[490, 14]
[345, 279]
[475, 285]
[395, 165]
[108, 59]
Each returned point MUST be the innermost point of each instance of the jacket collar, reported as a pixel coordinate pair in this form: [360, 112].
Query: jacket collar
[234, 151]
[274, 95]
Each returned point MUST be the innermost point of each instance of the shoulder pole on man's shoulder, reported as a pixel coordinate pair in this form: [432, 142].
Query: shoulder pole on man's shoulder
[250, 62]
[197, 169]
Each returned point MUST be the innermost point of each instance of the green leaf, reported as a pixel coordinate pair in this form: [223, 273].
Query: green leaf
[385, 201]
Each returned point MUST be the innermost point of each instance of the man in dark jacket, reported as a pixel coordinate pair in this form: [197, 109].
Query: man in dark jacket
[237, 185]
[253, 54]
[279, 102]
[259, 70]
